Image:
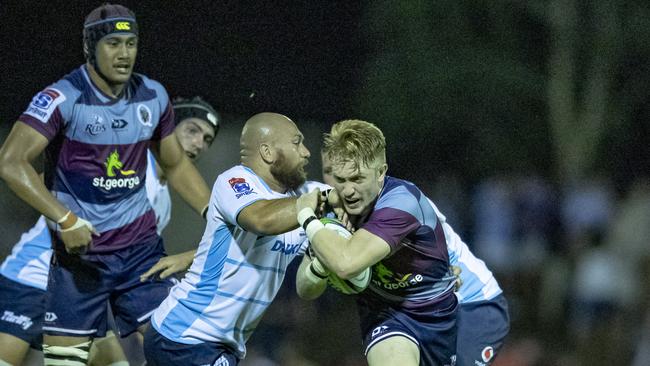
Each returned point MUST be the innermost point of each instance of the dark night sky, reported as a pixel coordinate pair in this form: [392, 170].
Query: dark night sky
[302, 60]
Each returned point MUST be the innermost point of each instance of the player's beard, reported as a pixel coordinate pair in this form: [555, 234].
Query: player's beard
[291, 177]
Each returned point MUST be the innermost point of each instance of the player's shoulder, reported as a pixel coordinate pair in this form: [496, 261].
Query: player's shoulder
[238, 175]
[400, 194]
[67, 89]
[148, 88]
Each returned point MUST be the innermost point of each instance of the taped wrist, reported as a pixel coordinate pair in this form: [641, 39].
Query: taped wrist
[77, 224]
[315, 272]
[308, 220]
[67, 221]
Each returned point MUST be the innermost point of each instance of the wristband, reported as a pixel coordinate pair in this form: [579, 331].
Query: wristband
[312, 274]
[68, 221]
[77, 224]
[312, 228]
[304, 214]
[308, 221]
[318, 268]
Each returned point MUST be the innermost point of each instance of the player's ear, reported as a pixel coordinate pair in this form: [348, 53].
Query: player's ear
[267, 153]
[383, 168]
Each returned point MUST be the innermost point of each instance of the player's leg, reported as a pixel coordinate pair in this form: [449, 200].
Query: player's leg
[21, 319]
[134, 301]
[13, 349]
[107, 351]
[76, 308]
[161, 351]
[394, 351]
[406, 339]
[482, 328]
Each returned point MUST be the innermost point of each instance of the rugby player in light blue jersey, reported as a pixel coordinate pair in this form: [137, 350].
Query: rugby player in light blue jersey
[408, 311]
[482, 320]
[251, 237]
[23, 274]
[95, 126]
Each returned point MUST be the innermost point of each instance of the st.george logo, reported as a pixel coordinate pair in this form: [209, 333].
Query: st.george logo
[113, 162]
[113, 165]
[240, 186]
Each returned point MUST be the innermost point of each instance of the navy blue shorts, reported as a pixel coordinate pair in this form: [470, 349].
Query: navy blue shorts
[79, 288]
[482, 327]
[22, 310]
[160, 351]
[434, 334]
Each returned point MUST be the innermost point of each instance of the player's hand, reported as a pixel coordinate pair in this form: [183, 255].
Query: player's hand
[78, 237]
[456, 270]
[169, 265]
[334, 201]
[308, 200]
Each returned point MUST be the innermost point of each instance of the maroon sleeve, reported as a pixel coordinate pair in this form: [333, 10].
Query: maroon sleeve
[48, 129]
[392, 225]
[166, 124]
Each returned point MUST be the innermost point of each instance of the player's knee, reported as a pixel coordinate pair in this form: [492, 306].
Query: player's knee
[394, 351]
[76, 355]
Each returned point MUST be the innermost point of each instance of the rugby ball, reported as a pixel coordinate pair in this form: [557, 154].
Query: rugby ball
[353, 285]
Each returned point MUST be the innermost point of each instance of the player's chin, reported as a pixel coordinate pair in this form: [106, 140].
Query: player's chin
[354, 209]
[120, 78]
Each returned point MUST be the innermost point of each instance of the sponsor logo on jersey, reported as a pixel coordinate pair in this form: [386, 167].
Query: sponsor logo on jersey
[385, 278]
[123, 26]
[144, 115]
[44, 104]
[287, 249]
[240, 186]
[114, 166]
[487, 353]
[96, 126]
[50, 317]
[118, 124]
[452, 361]
[379, 330]
[24, 321]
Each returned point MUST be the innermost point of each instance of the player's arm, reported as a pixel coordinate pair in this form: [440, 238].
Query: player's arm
[276, 216]
[347, 257]
[181, 173]
[311, 279]
[18, 152]
[170, 265]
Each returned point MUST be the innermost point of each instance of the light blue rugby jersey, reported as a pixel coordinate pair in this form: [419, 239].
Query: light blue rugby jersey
[235, 274]
[96, 159]
[478, 283]
[29, 261]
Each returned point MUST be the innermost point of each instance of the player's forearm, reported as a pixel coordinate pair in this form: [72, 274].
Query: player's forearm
[190, 185]
[269, 217]
[22, 179]
[309, 285]
[332, 249]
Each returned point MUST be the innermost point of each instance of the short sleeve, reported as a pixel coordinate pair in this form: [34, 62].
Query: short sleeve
[236, 189]
[44, 113]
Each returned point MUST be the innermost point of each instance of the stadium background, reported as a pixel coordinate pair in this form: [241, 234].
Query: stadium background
[526, 122]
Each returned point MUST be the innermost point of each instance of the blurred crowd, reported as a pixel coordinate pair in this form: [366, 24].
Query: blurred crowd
[574, 263]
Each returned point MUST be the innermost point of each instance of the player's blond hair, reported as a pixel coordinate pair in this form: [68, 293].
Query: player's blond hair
[357, 141]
